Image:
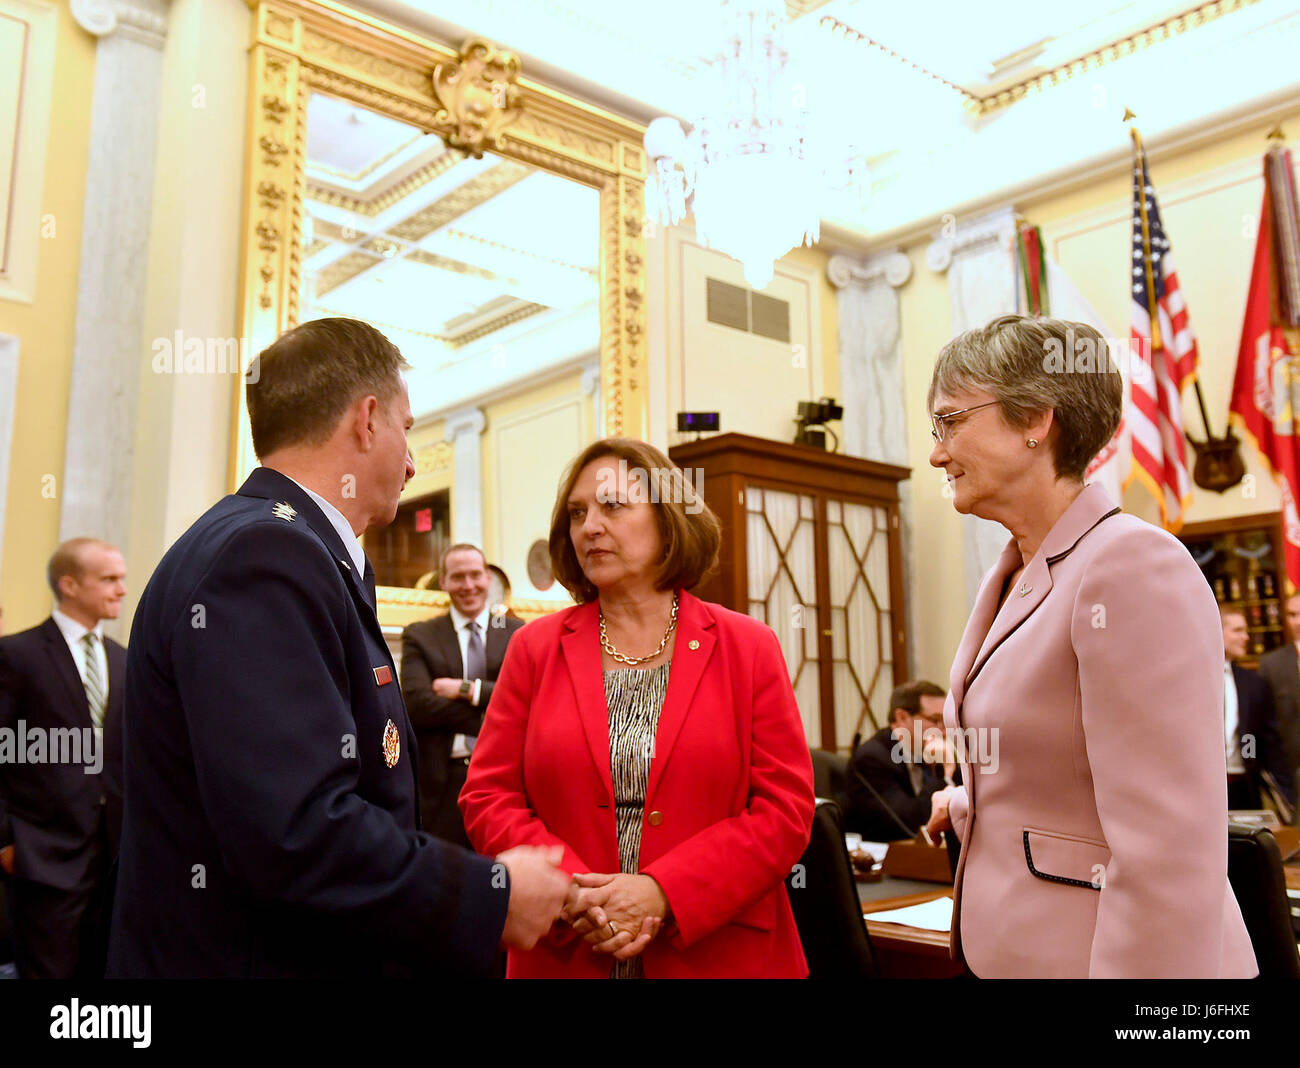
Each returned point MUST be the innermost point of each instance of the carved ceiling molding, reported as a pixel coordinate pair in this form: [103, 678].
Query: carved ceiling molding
[464, 198]
[372, 204]
[1090, 61]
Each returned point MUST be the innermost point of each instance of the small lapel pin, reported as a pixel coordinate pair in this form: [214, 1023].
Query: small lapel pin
[692, 645]
[284, 510]
[392, 745]
[383, 676]
[1025, 589]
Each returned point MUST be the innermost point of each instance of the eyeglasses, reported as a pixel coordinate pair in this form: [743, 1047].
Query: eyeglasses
[939, 423]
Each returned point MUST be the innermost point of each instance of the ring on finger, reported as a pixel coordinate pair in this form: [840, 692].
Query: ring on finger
[613, 931]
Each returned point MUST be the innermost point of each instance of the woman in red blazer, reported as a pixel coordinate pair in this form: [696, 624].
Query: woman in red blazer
[651, 735]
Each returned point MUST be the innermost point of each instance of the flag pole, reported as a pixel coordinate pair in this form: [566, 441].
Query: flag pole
[1218, 465]
[1140, 173]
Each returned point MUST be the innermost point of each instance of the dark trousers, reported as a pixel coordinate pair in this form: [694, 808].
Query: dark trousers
[63, 934]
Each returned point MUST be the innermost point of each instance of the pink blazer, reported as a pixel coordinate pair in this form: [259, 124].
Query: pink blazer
[1094, 833]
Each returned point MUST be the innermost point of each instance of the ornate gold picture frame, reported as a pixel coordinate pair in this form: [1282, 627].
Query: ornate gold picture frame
[303, 45]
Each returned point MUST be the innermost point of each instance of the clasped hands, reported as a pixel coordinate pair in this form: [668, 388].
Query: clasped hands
[616, 914]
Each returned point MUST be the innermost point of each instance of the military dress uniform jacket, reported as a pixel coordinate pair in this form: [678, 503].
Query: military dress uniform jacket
[271, 789]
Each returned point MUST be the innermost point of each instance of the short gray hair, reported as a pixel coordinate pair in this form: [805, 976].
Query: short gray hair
[1028, 365]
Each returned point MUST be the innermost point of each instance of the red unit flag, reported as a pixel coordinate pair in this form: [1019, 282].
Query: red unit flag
[1266, 389]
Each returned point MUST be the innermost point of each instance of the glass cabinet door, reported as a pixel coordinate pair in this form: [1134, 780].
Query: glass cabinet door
[782, 574]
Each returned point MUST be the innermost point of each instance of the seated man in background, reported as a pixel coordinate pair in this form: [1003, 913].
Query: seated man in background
[1256, 764]
[889, 789]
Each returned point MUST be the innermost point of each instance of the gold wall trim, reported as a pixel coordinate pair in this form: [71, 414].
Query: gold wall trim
[300, 46]
[400, 608]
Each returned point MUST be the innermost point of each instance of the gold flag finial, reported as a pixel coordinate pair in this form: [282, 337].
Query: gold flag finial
[1276, 134]
[1128, 114]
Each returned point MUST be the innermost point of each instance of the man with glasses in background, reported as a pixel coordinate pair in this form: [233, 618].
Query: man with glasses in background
[893, 774]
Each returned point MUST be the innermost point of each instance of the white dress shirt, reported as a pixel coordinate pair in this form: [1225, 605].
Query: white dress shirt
[460, 621]
[73, 632]
[350, 541]
[1232, 745]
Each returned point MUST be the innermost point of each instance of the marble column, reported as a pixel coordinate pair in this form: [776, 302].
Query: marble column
[871, 383]
[591, 388]
[976, 254]
[112, 282]
[464, 430]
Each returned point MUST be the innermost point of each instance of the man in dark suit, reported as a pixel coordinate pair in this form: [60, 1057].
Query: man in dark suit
[1281, 670]
[272, 816]
[449, 665]
[1251, 742]
[890, 779]
[61, 687]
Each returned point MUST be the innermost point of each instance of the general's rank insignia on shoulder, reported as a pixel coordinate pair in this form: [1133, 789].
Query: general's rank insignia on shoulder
[392, 745]
[284, 510]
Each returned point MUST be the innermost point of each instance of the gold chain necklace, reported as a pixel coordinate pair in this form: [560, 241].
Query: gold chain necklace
[608, 646]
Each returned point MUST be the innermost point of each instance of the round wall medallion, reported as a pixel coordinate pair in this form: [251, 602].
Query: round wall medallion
[539, 565]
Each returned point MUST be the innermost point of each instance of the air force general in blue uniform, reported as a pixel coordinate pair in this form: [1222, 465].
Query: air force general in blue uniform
[271, 807]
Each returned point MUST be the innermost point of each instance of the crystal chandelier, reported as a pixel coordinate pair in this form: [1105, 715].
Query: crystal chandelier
[753, 174]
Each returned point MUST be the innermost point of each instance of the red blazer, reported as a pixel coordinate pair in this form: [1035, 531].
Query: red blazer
[729, 803]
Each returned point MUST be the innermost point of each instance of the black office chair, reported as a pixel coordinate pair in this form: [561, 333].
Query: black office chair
[827, 911]
[831, 776]
[1255, 872]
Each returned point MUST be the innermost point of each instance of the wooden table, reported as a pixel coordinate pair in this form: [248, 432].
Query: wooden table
[907, 952]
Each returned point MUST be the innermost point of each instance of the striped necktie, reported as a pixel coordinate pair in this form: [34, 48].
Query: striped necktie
[475, 666]
[94, 680]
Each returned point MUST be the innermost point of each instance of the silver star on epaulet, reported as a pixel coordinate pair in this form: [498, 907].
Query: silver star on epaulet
[284, 510]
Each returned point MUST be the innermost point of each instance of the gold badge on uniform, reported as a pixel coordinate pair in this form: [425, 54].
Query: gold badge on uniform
[392, 745]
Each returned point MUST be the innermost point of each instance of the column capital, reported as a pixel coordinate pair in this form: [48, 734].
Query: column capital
[141, 20]
[590, 381]
[892, 266]
[465, 421]
[957, 237]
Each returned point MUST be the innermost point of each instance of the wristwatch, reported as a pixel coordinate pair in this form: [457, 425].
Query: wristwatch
[466, 687]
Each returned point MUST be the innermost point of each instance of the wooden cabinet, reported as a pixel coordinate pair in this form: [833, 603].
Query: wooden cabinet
[1242, 560]
[811, 546]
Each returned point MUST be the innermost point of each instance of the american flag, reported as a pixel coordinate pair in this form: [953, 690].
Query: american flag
[1164, 356]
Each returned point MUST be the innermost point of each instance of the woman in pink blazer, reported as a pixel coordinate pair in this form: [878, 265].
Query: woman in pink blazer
[652, 736]
[1086, 693]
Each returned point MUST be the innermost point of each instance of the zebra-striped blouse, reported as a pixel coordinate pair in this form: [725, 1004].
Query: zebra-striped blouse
[635, 699]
